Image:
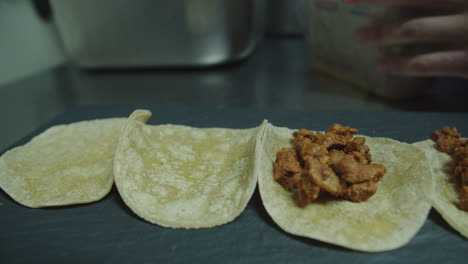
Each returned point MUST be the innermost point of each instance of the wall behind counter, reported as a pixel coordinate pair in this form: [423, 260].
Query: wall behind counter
[27, 43]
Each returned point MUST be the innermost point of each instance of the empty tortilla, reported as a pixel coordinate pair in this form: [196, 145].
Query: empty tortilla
[64, 165]
[388, 220]
[185, 177]
[445, 194]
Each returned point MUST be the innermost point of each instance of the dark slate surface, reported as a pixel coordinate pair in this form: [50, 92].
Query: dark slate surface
[108, 232]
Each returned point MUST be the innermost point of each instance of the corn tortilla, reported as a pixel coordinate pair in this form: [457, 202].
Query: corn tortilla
[64, 165]
[445, 195]
[185, 177]
[388, 220]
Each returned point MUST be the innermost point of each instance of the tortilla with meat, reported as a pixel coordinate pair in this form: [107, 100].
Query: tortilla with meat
[64, 165]
[445, 195]
[388, 220]
[185, 177]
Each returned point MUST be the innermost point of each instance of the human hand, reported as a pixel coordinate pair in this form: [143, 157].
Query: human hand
[450, 30]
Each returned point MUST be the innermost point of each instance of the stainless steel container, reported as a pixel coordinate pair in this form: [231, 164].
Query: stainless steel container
[124, 33]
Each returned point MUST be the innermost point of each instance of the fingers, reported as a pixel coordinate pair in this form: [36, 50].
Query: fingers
[448, 63]
[452, 28]
[448, 29]
[444, 4]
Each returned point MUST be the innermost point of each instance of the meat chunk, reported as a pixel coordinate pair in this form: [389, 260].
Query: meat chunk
[304, 133]
[361, 191]
[306, 148]
[463, 198]
[357, 144]
[324, 177]
[447, 139]
[287, 170]
[332, 141]
[307, 191]
[330, 162]
[337, 136]
[464, 177]
[335, 157]
[460, 155]
[460, 158]
[451, 132]
[302, 137]
[358, 148]
[342, 130]
[461, 171]
[354, 172]
[361, 158]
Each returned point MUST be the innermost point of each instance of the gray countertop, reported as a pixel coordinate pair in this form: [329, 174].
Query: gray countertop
[277, 75]
[107, 231]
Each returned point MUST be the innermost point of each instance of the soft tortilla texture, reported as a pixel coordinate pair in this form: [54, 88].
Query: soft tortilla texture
[185, 177]
[445, 195]
[64, 165]
[388, 220]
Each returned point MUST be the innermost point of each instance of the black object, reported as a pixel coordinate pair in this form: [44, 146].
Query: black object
[43, 8]
[108, 232]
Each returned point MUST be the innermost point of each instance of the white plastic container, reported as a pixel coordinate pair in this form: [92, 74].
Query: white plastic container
[329, 27]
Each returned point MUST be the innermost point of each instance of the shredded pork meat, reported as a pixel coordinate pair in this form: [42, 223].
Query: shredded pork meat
[333, 162]
[448, 140]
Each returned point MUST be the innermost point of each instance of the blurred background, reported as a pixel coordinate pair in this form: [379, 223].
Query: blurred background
[57, 54]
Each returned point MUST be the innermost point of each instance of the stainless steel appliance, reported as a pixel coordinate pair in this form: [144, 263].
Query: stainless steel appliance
[124, 33]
